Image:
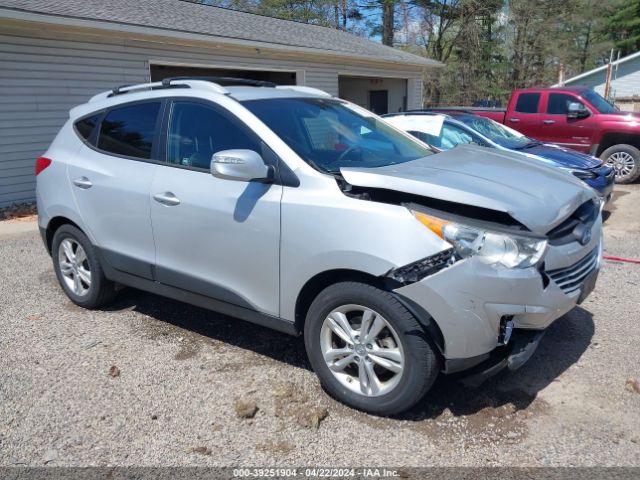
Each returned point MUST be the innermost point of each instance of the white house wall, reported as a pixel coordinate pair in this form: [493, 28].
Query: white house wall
[43, 73]
[625, 84]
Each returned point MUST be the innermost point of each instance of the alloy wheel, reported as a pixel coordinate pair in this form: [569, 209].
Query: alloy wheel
[74, 266]
[622, 163]
[362, 350]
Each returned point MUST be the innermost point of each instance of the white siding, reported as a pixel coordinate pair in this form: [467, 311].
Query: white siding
[414, 94]
[43, 75]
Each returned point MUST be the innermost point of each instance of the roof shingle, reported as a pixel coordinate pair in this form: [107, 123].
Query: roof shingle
[184, 16]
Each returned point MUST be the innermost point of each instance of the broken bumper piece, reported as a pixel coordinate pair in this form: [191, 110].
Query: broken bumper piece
[511, 357]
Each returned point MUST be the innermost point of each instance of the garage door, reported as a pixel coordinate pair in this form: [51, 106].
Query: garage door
[159, 72]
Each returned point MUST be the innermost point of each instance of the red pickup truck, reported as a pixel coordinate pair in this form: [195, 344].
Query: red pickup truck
[578, 118]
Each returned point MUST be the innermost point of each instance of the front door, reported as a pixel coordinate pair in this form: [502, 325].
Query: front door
[218, 238]
[556, 128]
[379, 101]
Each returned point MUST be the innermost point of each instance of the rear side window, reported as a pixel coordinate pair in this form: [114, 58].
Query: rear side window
[197, 131]
[527, 103]
[129, 130]
[85, 126]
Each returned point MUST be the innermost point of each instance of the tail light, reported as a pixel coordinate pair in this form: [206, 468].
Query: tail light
[42, 163]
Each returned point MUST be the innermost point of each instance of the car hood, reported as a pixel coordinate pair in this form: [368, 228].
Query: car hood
[562, 157]
[538, 196]
[620, 117]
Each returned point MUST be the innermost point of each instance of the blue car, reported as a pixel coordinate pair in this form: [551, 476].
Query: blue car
[445, 131]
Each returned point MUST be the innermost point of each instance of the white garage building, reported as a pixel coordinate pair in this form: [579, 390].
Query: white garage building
[56, 54]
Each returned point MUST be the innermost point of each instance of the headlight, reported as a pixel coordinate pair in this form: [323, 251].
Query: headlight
[491, 247]
[583, 174]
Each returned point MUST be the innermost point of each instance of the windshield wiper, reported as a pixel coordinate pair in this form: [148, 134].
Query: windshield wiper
[531, 144]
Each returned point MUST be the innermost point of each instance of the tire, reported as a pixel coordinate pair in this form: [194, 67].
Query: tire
[625, 160]
[99, 290]
[396, 391]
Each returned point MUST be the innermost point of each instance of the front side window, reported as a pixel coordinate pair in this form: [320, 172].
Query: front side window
[496, 132]
[129, 130]
[330, 134]
[197, 131]
[450, 136]
[527, 103]
[558, 103]
[427, 138]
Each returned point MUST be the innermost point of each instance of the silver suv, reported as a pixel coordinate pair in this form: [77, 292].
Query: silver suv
[302, 212]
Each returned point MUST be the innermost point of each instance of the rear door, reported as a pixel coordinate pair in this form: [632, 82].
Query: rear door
[574, 133]
[215, 237]
[111, 181]
[522, 114]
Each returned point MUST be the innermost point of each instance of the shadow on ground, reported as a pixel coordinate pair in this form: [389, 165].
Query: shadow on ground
[562, 346]
[216, 326]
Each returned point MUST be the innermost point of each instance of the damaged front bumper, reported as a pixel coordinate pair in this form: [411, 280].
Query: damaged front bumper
[472, 302]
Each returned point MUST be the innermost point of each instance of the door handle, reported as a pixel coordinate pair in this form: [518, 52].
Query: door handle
[83, 182]
[514, 120]
[548, 122]
[167, 198]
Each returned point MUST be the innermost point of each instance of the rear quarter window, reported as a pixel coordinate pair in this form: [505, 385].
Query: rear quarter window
[85, 126]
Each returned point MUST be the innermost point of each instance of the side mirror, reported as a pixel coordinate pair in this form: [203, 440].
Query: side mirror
[241, 165]
[577, 110]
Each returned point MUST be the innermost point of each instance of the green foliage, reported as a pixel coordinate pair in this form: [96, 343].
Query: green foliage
[624, 26]
[489, 47]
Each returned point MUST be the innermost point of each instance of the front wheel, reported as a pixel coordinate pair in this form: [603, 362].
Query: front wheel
[625, 160]
[368, 350]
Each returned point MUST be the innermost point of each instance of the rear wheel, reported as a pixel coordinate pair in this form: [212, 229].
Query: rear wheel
[368, 350]
[78, 270]
[625, 160]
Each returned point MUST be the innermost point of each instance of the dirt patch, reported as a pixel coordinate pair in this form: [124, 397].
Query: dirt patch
[72, 307]
[632, 385]
[200, 450]
[291, 402]
[481, 418]
[187, 350]
[245, 408]
[276, 447]
[19, 212]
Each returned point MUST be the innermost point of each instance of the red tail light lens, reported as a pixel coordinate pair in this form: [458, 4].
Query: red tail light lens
[42, 163]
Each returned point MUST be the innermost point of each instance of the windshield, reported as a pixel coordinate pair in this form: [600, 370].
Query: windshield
[598, 102]
[329, 134]
[496, 132]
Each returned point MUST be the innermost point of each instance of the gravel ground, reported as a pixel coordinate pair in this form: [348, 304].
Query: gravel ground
[155, 382]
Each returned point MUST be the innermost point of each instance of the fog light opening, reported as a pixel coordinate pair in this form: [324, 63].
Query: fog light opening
[506, 328]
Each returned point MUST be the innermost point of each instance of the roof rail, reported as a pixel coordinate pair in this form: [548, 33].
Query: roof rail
[304, 89]
[214, 83]
[228, 81]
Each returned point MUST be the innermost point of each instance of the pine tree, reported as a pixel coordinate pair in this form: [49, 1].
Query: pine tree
[624, 27]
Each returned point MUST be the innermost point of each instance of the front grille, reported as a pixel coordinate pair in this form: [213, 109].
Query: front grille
[570, 279]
